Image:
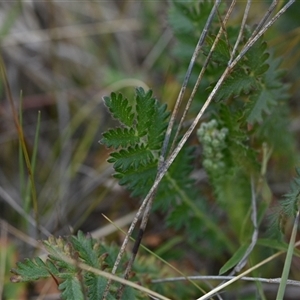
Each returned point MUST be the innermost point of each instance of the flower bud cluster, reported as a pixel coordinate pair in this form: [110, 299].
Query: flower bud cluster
[213, 141]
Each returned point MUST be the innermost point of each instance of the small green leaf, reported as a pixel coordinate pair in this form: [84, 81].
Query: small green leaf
[221, 54]
[235, 259]
[120, 137]
[138, 180]
[129, 293]
[120, 108]
[237, 83]
[145, 108]
[71, 289]
[262, 69]
[257, 57]
[158, 126]
[52, 268]
[30, 270]
[96, 286]
[126, 158]
[177, 19]
[58, 249]
[261, 102]
[85, 246]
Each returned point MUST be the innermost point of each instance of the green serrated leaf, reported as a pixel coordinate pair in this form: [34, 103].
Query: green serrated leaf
[271, 93]
[157, 128]
[177, 217]
[30, 270]
[235, 259]
[71, 289]
[57, 246]
[138, 180]
[261, 102]
[64, 266]
[96, 286]
[85, 246]
[221, 54]
[256, 56]
[179, 22]
[237, 83]
[58, 249]
[145, 108]
[129, 293]
[120, 137]
[52, 268]
[262, 69]
[120, 108]
[130, 157]
[186, 17]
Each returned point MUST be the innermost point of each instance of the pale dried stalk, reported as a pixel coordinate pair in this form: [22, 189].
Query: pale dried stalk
[246, 12]
[192, 96]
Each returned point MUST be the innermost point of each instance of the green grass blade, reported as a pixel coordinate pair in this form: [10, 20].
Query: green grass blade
[33, 161]
[288, 260]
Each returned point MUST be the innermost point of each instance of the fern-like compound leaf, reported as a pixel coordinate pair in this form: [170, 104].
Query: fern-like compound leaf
[120, 109]
[137, 161]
